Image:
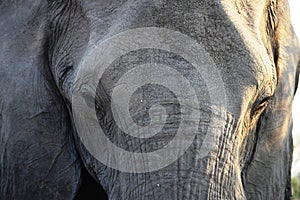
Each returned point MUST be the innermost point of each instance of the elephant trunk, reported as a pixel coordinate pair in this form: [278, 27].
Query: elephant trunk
[208, 169]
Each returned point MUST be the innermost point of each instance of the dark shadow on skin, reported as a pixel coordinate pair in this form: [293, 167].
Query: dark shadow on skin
[89, 188]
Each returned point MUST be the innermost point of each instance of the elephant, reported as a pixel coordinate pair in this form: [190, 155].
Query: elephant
[192, 99]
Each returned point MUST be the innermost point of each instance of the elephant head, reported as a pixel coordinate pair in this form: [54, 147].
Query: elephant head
[147, 99]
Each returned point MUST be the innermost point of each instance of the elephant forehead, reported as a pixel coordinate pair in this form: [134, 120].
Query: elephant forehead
[239, 57]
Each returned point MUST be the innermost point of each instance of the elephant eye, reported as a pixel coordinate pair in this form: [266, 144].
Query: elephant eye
[262, 101]
[259, 106]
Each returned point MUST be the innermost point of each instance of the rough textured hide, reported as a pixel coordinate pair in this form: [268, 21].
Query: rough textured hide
[42, 45]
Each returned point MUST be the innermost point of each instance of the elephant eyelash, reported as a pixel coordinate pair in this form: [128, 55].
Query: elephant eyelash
[263, 102]
[259, 106]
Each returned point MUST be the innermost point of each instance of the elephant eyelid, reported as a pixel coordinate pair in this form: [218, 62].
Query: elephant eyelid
[264, 100]
[259, 105]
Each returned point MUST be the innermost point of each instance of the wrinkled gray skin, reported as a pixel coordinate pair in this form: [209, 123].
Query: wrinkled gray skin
[42, 43]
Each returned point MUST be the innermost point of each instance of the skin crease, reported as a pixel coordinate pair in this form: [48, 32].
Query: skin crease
[253, 46]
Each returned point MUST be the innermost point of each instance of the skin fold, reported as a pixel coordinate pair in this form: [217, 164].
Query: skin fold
[253, 46]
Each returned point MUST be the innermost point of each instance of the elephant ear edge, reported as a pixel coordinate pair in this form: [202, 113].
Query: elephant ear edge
[297, 77]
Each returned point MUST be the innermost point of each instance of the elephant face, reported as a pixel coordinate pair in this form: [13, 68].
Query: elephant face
[149, 99]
